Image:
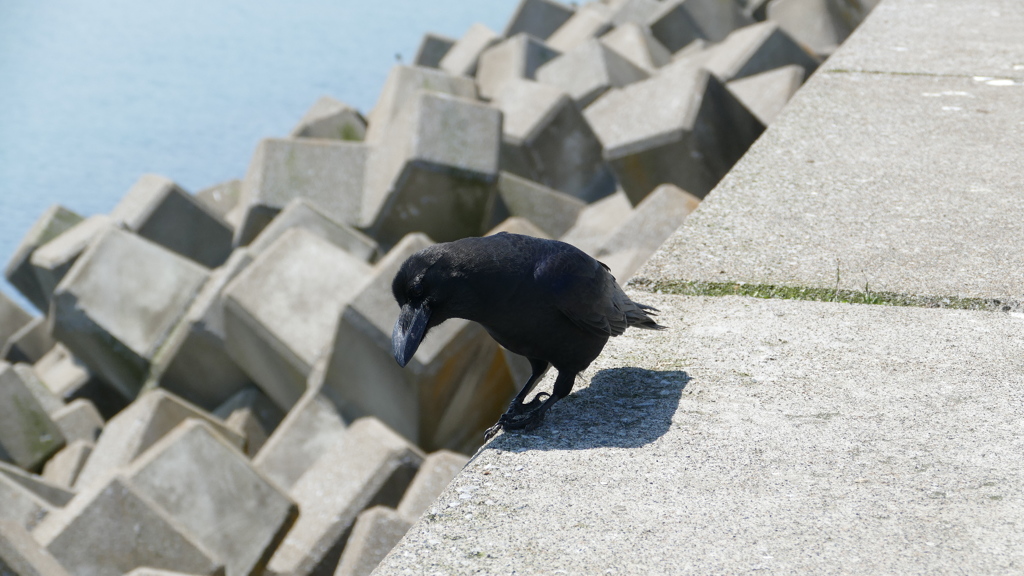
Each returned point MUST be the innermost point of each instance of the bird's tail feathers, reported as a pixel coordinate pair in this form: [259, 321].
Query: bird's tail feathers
[640, 317]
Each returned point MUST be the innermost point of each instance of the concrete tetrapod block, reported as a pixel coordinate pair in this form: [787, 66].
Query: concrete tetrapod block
[589, 22]
[634, 11]
[821, 25]
[309, 429]
[374, 534]
[51, 493]
[403, 86]
[461, 59]
[436, 472]
[635, 43]
[327, 173]
[79, 420]
[28, 436]
[546, 139]
[301, 213]
[550, 210]
[516, 57]
[538, 18]
[626, 248]
[18, 271]
[596, 221]
[21, 555]
[432, 49]
[252, 415]
[331, 119]
[209, 488]
[194, 362]
[138, 427]
[456, 385]
[517, 225]
[21, 505]
[371, 465]
[52, 260]
[28, 344]
[757, 48]
[436, 170]
[115, 307]
[222, 199]
[160, 211]
[680, 22]
[280, 313]
[691, 138]
[113, 529]
[12, 318]
[766, 93]
[62, 468]
[588, 71]
[48, 401]
[70, 379]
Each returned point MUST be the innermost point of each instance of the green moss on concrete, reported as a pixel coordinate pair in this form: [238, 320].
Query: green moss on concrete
[866, 296]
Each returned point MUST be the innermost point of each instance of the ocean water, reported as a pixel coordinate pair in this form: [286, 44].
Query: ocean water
[95, 94]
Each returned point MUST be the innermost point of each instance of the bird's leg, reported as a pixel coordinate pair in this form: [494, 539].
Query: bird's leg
[518, 406]
[563, 386]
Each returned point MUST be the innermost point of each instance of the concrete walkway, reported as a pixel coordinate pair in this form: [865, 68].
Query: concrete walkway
[789, 436]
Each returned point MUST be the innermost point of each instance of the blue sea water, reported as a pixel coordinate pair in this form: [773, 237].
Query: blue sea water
[95, 94]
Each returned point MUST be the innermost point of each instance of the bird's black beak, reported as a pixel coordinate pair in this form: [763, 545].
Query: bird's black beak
[408, 333]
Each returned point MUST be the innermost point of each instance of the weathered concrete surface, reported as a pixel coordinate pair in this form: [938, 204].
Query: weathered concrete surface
[403, 86]
[27, 434]
[51, 261]
[20, 555]
[772, 435]
[251, 414]
[821, 24]
[54, 495]
[538, 18]
[589, 70]
[63, 467]
[436, 472]
[19, 271]
[328, 118]
[550, 210]
[461, 58]
[374, 534]
[432, 48]
[636, 43]
[12, 318]
[765, 94]
[29, 343]
[515, 57]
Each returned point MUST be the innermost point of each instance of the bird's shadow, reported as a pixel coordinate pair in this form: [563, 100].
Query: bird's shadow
[622, 408]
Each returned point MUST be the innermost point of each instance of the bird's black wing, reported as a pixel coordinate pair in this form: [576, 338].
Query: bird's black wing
[584, 290]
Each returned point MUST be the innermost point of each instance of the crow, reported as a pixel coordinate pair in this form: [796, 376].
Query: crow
[543, 299]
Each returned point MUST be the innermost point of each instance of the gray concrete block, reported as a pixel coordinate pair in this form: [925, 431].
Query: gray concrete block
[115, 307]
[79, 420]
[546, 139]
[309, 429]
[588, 71]
[436, 170]
[551, 211]
[147, 571]
[18, 271]
[403, 86]
[21, 555]
[634, 11]
[113, 529]
[52, 260]
[461, 59]
[301, 213]
[222, 199]
[281, 311]
[371, 465]
[162, 212]
[517, 57]
[518, 225]
[587, 23]
[436, 472]
[597, 220]
[69, 378]
[627, 247]
[252, 415]
[765, 94]
[327, 173]
[138, 427]
[331, 119]
[28, 344]
[680, 22]
[54, 495]
[375, 533]
[822, 25]
[63, 468]
[538, 18]
[691, 138]
[48, 401]
[432, 49]
[194, 362]
[635, 43]
[757, 48]
[456, 385]
[20, 505]
[199, 480]
[12, 318]
[28, 436]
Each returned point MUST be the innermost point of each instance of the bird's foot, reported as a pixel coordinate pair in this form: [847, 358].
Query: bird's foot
[527, 422]
[527, 407]
[525, 416]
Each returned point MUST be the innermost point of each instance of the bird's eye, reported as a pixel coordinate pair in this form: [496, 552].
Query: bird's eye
[415, 291]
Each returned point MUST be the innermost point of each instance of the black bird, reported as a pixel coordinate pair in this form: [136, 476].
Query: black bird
[542, 299]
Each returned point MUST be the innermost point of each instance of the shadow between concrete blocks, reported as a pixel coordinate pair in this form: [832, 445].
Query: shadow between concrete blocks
[622, 408]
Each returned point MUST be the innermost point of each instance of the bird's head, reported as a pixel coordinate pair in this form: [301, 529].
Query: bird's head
[415, 288]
